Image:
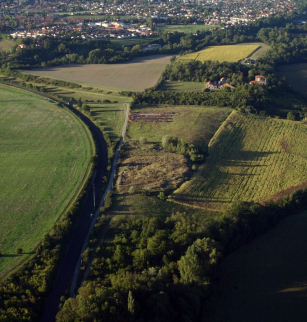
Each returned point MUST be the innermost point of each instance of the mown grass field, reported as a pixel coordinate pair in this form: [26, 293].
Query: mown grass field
[111, 117]
[250, 158]
[181, 86]
[193, 124]
[265, 280]
[230, 53]
[137, 75]
[296, 75]
[45, 158]
[185, 28]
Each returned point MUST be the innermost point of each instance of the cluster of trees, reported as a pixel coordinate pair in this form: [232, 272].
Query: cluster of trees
[160, 268]
[196, 71]
[245, 96]
[175, 145]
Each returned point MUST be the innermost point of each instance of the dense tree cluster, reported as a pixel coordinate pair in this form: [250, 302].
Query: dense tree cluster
[160, 268]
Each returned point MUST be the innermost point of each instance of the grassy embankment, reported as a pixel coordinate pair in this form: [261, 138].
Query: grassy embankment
[250, 158]
[230, 53]
[46, 153]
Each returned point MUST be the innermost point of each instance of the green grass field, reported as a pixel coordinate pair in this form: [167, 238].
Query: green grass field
[230, 53]
[296, 75]
[250, 158]
[181, 86]
[6, 44]
[137, 75]
[138, 204]
[185, 28]
[193, 124]
[111, 117]
[45, 159]
[131, 42]
[265, 280]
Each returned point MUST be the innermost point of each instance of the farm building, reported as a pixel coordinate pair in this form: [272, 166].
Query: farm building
[259, 79]
[218, 85]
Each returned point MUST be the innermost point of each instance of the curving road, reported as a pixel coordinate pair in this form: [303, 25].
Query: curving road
[66, 271]
[110, 186]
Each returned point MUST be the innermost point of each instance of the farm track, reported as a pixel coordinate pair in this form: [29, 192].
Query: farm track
[68, 264]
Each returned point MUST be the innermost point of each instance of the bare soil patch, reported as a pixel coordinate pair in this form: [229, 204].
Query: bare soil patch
[152, 117]
[151, 169]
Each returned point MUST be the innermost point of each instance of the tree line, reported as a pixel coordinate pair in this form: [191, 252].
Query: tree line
[160, 268]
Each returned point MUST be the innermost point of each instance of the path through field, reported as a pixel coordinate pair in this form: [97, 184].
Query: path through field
[265, 281]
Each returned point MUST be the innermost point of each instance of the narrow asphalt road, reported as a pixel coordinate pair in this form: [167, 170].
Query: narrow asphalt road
[66, 271]
[96, 215]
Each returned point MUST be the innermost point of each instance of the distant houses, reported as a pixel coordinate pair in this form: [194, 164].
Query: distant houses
[218, 85]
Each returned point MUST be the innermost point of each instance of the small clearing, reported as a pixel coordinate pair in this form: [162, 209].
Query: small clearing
[150, 169]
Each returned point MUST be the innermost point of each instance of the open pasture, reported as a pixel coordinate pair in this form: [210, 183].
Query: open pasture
[45, 159]
[230, 53]
[193, 124]
[296, 75]
[6, 44]
[111, 117]
[185, 28]
[137, 75]
[250, 158]
[181, 86]
[265, 280]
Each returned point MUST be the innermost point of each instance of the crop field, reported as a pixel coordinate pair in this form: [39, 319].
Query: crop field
[137, 75]
[250, 158]
[181, 86]
[230, 53]
[185, 28]
[111, 117]
[193, 124]
[45, 159]
[265, 280]
[296, 75]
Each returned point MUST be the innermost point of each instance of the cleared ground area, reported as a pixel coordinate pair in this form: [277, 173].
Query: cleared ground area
[230, 53]
[45, 156]
[265, 281]
[194, 124]
[137, 75]
[250, 158]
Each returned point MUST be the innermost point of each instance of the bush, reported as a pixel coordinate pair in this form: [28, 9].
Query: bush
[143, 140]
[18, 251]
